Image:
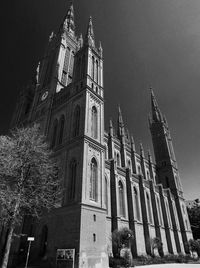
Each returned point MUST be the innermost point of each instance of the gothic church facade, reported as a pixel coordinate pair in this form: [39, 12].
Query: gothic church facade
[107, 185]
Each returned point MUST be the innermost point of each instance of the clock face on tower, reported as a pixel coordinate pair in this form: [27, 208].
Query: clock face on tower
[44, 95]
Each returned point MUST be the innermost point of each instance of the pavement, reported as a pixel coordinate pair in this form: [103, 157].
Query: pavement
[171, 265]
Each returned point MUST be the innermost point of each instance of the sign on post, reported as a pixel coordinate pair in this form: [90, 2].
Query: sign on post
[30, 238]
[65, 258]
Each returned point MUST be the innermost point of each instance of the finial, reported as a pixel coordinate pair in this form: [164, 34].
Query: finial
[51, 36]
[69, 25]
[132, 143]
[89, 38]
[149, 156]
[111, 127]
[100, 49]
[127, 134]
[141, 150]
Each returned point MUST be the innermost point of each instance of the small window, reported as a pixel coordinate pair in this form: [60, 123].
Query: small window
[94, 237]
[94, 123]
[94, 217]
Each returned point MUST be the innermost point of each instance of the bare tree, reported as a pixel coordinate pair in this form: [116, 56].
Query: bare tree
[28, 179]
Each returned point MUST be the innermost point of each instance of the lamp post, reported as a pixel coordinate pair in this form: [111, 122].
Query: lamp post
[30, 239]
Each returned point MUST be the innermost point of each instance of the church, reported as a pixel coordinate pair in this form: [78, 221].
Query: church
[107, 185]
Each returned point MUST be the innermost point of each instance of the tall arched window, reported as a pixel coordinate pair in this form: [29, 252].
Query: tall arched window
[94, 125]
[106, 193]
[149, 212]
[136, 204]
[159, 211]
[168, 213]
[93, 179]
[121, 200]
[72, 177]
[93, 67]
[97, 71]
[118, 159]
[61, 129]
[54, 136]
[76, 121]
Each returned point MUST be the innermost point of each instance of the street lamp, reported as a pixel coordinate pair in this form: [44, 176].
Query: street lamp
[30, 239]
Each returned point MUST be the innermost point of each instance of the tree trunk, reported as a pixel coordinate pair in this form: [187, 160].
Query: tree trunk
[8, 246]
[10, 234]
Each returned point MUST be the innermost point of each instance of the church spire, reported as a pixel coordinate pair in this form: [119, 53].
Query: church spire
[69, 25]
[89, 38]
[120, 123]
[156, 114]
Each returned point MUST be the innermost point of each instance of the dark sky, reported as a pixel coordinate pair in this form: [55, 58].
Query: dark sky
[145, 42]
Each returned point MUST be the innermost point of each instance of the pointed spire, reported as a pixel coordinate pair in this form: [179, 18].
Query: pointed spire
[111, 128]
[100, 49]
[156, 114]
[149, 156]
[69, 25]
[132, 144]
[141, 150]
[120, 123]
[127, 135]
[89, 38]
[51, 36]
[120, 118]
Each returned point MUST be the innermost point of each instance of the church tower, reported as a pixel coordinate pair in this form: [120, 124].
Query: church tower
[167, 170]
[68, 103]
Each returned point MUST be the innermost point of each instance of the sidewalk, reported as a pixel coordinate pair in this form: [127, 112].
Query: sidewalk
[171, 265]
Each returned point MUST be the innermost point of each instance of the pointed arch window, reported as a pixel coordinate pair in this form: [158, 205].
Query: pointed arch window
[93, 67]
[118, 159]
[93, 179]
[94, 126]
[54, 136]
[168, 214]
[159, 211]
[61, 129]
[76, 122]
[72, 176]
[96, 71]
[136, 204]
[149, 212]
[106, 193]
[121, 200]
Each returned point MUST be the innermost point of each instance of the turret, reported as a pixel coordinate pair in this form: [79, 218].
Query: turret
[120, 124]
[89, 37]
[156, 114]
[68, 24]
